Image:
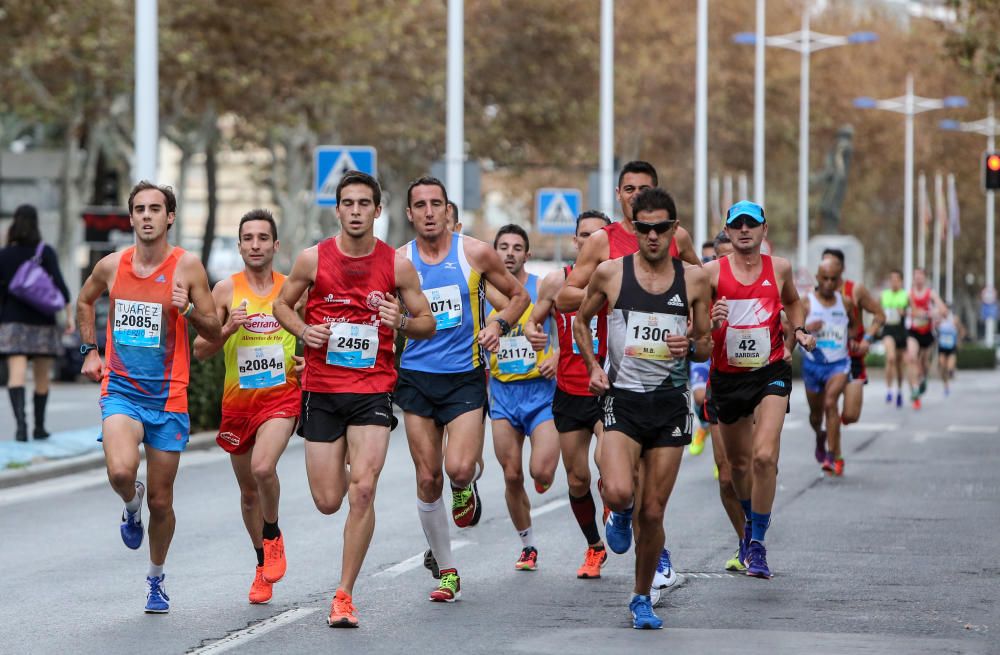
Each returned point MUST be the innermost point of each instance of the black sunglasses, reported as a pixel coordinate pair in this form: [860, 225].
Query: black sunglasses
[741, 220]
[661, 227]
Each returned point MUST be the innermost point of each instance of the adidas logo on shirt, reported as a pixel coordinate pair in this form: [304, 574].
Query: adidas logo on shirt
[676, 301]
[160, 278]
[766, 283]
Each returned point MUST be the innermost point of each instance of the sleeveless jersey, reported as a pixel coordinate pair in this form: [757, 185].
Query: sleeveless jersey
[920, 302]
[832, 337]
[752, 336]
[515, 359]
[147, 355]
[947, 336]
[259, 365]
[457, 295]
[638, 359]
[346, 294]
[621, 242]
[894, 304]
[571, 375]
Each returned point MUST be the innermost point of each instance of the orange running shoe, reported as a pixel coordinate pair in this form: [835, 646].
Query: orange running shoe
[593, 562]
[528, 560]
[260, 590]
[838, 466]
[274, 559]
[449, 589]
[342, 612]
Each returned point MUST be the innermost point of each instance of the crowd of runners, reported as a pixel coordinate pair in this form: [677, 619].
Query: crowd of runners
[622, 354]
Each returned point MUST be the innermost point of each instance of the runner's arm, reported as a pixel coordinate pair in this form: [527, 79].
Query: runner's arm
[595, 249]
[202, 314]
[496, 273]
[700, 296]
[542, 310]
[595, 298]
[794, 306]
[420, 323]
[97, 283]
[685, 247]
[223, 296]
[302, 276]
[867, 302]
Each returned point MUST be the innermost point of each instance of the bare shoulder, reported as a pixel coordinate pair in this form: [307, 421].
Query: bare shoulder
[404, 250]
[695, 274]
[781, 266]
[476, 251]
[607, 269]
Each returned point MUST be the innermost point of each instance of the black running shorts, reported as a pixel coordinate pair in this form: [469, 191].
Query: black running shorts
[441, 396]
[924, 339]
[707, 411]
[737, 395]
[898, 334]
[655, 419]
[572, 413]
[325, 416]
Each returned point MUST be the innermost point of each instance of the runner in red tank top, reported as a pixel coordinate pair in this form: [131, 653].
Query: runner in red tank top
[576, 411]
[350, 317]
[925, 307]
[749, 368]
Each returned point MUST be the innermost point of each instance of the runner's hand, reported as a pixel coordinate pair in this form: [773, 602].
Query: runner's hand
[93, 366]
[489, 337]
[720, 310]
[599, 383]
[678, 345]
[390, 311]
[859, 348]
[317, 336]
[548, 368]
[237, 318]
[300, 365]
[179, 296]
[807, 341]
[536, 336]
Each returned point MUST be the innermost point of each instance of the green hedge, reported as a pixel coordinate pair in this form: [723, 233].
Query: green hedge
[970, 356]
[205, 391]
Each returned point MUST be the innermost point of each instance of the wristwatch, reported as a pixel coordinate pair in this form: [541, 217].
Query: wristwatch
[692, 347]
[87, 347]
[802, 330]
[504, 326]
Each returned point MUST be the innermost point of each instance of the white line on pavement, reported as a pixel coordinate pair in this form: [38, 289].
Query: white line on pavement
[549, 507]
[872, 427]
[413, 562]
[975, 429]
[257, 629]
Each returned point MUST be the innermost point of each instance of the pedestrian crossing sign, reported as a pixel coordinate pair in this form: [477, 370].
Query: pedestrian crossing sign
[556, 210]
[330, 164]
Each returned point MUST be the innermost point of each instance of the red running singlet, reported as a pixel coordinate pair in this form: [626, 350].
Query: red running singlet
[359, 355]
[921, 324]
[571, 375]
[752, 336]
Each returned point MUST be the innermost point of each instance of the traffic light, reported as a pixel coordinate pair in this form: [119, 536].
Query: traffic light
[991, 171]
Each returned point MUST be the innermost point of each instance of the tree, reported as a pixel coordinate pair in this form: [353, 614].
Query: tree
[975, 45]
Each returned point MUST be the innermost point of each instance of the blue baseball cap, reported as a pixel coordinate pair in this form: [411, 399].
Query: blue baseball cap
[746, 208]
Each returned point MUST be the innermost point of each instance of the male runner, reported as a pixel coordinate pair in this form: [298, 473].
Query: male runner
[862, 338]
[441, 380]
[454, 222]
[749, 372]
[831, 317]
[577, 412]
[351, 312]
[522, 383]
[925, 307]
[949, 332]
[895, 301]
[708, 252]
[651, 298]
[260, 401]
[155, 290]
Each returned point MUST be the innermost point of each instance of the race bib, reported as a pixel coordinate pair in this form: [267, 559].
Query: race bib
[748, 347]
[946, 340]
[893, 317]
[137, 323]
[352, 345]
[646, 335]
[446, 305]
[593, 334]
[516, 356]
[920, 322]
[261, 367]
[831, 337]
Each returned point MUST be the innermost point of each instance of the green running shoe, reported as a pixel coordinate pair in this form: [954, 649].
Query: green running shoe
[734, 563]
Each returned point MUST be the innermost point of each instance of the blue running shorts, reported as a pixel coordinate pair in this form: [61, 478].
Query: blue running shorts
[526, 404]
[816, 374]
[167, 431]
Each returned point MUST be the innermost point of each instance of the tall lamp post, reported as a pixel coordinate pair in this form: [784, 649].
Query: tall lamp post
[909, 105]
[805, 42]
[990, 128]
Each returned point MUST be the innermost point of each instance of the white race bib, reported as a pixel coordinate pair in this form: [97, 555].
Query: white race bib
[516, 356]
[593, 334]
[446, 306]
[748, 347]
[893, 317]
[137, 323]
[831, 337]
[352, 345]
[261, 367]
[646, 334]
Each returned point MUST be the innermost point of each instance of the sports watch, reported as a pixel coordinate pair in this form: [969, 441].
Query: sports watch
[87, 347]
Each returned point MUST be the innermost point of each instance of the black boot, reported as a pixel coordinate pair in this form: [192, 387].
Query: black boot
[17, 404]
[40, 401]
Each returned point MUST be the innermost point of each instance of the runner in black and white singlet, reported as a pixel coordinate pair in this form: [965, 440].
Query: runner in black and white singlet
[651, 297]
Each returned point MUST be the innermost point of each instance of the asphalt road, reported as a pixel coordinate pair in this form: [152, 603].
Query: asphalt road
[898, 556]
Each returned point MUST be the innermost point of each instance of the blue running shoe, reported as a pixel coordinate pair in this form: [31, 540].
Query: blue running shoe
[643, 617]
[899, 399]
[664, 576]
[618, 531]
[131, 527]
[157, 600]
[745, 542]
[757, 561]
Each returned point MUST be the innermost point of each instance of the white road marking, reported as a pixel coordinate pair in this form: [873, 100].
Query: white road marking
[793, 424]
[708, 576]
[549, 507]
[257, 629]
[413, 562]
[872, 427]
[974, 429]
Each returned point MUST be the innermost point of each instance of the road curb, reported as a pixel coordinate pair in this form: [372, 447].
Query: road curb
[68, 466]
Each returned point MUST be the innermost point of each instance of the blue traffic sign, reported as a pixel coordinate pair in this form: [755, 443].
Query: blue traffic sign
[330, 164]
[556, 210]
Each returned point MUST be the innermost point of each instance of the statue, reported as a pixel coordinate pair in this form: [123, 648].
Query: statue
[834, 180]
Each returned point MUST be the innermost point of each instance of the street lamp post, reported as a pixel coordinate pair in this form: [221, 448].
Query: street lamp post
[909, 105]
[990, 128]
[805, 42]
[607, 120]
[454, 156]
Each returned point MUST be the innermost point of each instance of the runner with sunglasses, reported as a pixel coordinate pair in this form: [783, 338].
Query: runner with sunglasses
[749, 371]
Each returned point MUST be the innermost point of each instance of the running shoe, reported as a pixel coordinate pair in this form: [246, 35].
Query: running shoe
[734, 563]
[431, 564]
[593, 562]
[828, 464]
[465, 509]
[838, 466]
[664, 576]
[541, 488]
[342, 611]
[820, 452]
[274, 559]
[888, 397]
[899, 400]
[606, 511]
[528, 560]
[916, 403]
[157, 600]
[260, 590]
[697, 441]
[450, 588]
[757, 561]
[618, 531]
[715, 471]
[643, 617]
[131, 527]
[923, 386]
[745, 543]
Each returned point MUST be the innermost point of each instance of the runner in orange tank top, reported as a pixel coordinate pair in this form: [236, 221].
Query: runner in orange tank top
[260, 401]
[155, 291]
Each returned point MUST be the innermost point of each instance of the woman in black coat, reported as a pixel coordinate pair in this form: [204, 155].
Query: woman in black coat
[24, 331]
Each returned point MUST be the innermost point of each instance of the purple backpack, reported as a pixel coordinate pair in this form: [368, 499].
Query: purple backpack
[33, 286]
